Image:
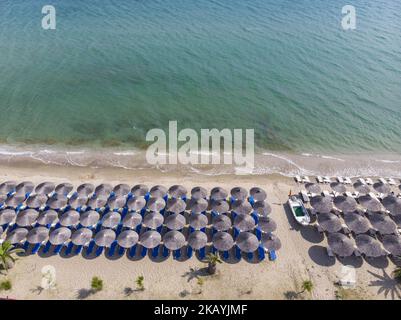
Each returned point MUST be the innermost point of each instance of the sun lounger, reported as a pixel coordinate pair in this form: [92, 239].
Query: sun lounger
[391, 182]
[144, 251]
[177, 254]
[155, 252]
[382, 180]
[238, 253]
[189, 252]
[349, 194]
[36, 248]
[326, 193]
[304, 196]
[258, 233]
[261, 253]
[112, 249]
[120, 251]
[255, 217]
[272, 255]
[368, 181]
[213, 250]
[90, 248]
[69, 248]
[298, 179]
[47, 247]
[132, 251]
[319, 179]
[99, 251]
[58, 249]
[119, 228]
[347, 180]
[250, 256]
[305, 179]
[362, 180]
[165, 252]
[78, 249]
[26, 246]
[326, 179]
[236, 232]
[340, 179]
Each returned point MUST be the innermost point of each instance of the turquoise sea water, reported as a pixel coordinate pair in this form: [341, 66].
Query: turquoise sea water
[113, 69]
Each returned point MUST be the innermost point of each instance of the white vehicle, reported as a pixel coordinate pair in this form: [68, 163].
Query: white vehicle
[299, 211]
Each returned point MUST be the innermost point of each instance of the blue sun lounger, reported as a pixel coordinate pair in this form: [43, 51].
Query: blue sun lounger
[99, 251]
[144, 251]
[112, 249]
[177, 254]
[238, 253]
[119, 229]
[258, 233]
[236, 233]
[138, 228]
[250, 256]
[26, 245]
[155, 252]
[213, 250]
[189, 252]
[36, 248]
[132, 251]
[255, 217]
[165, 252]
[261, 253]
[69, 248]
[90, 248]
[272, 255]
[121, 251]
[78, 249]
[202, 253]
[47, 247]
[226, 255]
[58, 249]
[251, 200]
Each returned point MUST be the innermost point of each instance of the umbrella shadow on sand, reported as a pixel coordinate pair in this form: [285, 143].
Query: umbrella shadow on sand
[379, 262]
[318, 254]
[386, 285]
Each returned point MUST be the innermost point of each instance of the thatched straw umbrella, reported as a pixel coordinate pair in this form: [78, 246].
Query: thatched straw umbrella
[150, 239]
[175, 221]
[7, 216]
[345, 204]
[177, 191]
[27, 217]
[198, 205]
[361, 187]
[47, 217]
[357, 223]
[127, 239]
[64, 188]
[175, 205]
[158, 191]
[85, 189]
[36, 201]
[223, 241]
[37, 235]
[369, 246]
[262, 208]
[111, 219]
[198, 221]
[218, 193]
[322, 204]
[24, 187]
[313, 188]
[122, 190]
[369, 203]
[45, 188]
[239, 193]
[381, 187]
[137, 203]
[81, 236]
[338, 187]
[105, 238]
[392, 244]
[219, 206]
[382, 223]
[174, 240]
[17, 235]
[69, 218]
[241, 207]
[156, 204]
[153, 220]
[271, 242]
[15, 200]
[258, 194]
[329, 222]
[392, 204]
[244, 222]
[267, 224]
[139, 190]
[57, 201]
[221, 222]
[198, 193]
[341, 244]
[59, 236]
[132, 220]
[197, 240]
[247, 242]
[103, 189]
[7, 187]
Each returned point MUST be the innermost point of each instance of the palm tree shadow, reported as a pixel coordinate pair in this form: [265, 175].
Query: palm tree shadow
[84, 293]
[195, 273]
[387, 285]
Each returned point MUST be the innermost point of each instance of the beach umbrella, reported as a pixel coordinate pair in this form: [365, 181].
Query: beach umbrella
[258, 194]
[85, 189]
[198, 205]
[27, 217]
[150, 239]
[338, 187]
[175, 221]
[222, 241]
[7, 187]
[17, 235]
[15, 200]
[60, 236]
[136, 203]
[122, 189]
[361, 187]
[173, 240]
[218, 193]
[329, 222]
[156, 204]
[7, 216]
[105, 238]
[381, 187]
[153, 220]
[69, 218]
[132, 220]
[271, 242]
[392, 204]
[369, 203]
[139, 190]
[103, 189]
[382, 223]
[322, 204]
[244, 222]
[369, 246]
[392, 244]
[197, 240]
[47, 217]
[313, 188]
[127, 239]
[64, 188]
[175, 205]
[239, 193]
[198, 221]
[45, 188]
[25, 187]
[177, 191]
[198, 193]
[262, 208]
[89, 218]
[116, 202]
[340, 244]
[37, 235]
[221, 222]
[36, 200]
[158, 191]
[111, 219]
[77, 201]
[345, 204]
[220, 206]
[57, 201]
[97, 202]
[241, 207]
[81, 236]
[267, 224]
[357, 223]
[247, 242]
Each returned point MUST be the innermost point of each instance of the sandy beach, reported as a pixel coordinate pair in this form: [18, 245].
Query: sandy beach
[302, 256]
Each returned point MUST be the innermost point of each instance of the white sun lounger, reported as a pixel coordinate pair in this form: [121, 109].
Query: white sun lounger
[391, 181]
[373, 196]
[362, 180]
[306, 179]
[319, 179]
[382, 180]
[298, 179]
[326, 179]
[305, 197]
[347, 180]
[369, 181]
[326, 193]
[340, 179]
[349, 194]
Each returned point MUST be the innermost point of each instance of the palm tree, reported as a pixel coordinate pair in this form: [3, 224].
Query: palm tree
[307, 285]
[7, 251]
[139, 283]
[212, 260]
[96, 284]
[397, 273]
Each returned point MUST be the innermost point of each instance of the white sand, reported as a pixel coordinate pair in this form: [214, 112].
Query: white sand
[302, 256]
